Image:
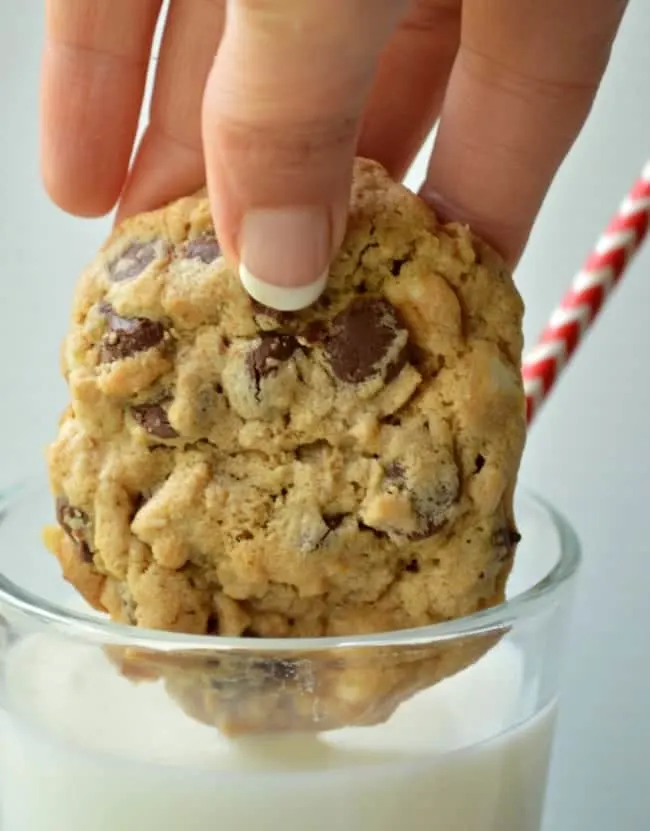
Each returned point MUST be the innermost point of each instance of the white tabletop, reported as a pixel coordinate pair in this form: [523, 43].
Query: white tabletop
[589, 452]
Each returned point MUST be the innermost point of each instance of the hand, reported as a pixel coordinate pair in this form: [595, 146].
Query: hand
[297, 88]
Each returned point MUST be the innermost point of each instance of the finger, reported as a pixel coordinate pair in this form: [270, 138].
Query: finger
[93, 75]
[410, 84]
[169, 162]
[522, 86]
[280, 124]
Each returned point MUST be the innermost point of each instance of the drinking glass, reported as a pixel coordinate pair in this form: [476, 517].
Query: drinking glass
[443, 728]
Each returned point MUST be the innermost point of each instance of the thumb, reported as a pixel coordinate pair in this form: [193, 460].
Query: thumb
[281, 115]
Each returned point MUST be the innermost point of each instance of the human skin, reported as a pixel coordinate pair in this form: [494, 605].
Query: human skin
[269, 101]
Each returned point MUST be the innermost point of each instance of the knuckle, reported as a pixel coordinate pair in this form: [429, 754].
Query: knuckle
[292, 145]
[515, 77]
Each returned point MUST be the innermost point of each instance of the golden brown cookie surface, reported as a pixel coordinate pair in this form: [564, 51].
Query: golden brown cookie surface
[227, 469]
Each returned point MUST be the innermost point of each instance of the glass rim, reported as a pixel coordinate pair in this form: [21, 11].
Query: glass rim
[92, 627]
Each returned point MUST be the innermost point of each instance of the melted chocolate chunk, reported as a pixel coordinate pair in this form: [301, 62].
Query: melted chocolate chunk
[153, 419]
[132, 262]
[75, 523]
[315, 332]
[361, 338]
[430, 507]
[432, 511]
[413, 567]
[479, 463]
[205, 248]
[272, 351]
[128, 336]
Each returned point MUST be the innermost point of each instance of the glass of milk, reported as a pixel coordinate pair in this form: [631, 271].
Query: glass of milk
[446, 728]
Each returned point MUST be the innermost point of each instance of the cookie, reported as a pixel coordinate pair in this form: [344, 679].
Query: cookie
[311, 691]
[227, 469]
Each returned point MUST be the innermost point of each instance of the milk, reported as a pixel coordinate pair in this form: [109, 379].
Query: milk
[85, 750]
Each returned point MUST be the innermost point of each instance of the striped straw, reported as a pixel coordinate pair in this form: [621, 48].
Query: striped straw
[591, 287]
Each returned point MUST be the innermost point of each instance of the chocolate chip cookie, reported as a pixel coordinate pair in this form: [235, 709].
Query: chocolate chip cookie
[224, 468]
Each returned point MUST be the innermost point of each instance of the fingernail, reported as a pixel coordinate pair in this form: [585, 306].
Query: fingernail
[285, 256]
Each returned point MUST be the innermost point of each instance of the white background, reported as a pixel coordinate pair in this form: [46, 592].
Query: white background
[589, 451]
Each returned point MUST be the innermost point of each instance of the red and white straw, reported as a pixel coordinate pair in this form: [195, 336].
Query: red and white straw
[591, 287]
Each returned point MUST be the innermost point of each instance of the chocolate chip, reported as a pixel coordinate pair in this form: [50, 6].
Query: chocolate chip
[506, 537]
[272, 350]
[127, 336]
[132, 261]
[362, 338]
[153, 419]
[85, 553]
[479, 463]
[75, 523]
[413, 567]
[277, 669]
[394, 473]
[333, 521]
[73, 520]
[267, 311]
[397, 266]
[213, 627]
[205, 248]
[129, 606]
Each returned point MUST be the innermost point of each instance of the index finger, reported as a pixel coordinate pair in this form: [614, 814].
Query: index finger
[93, 75]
